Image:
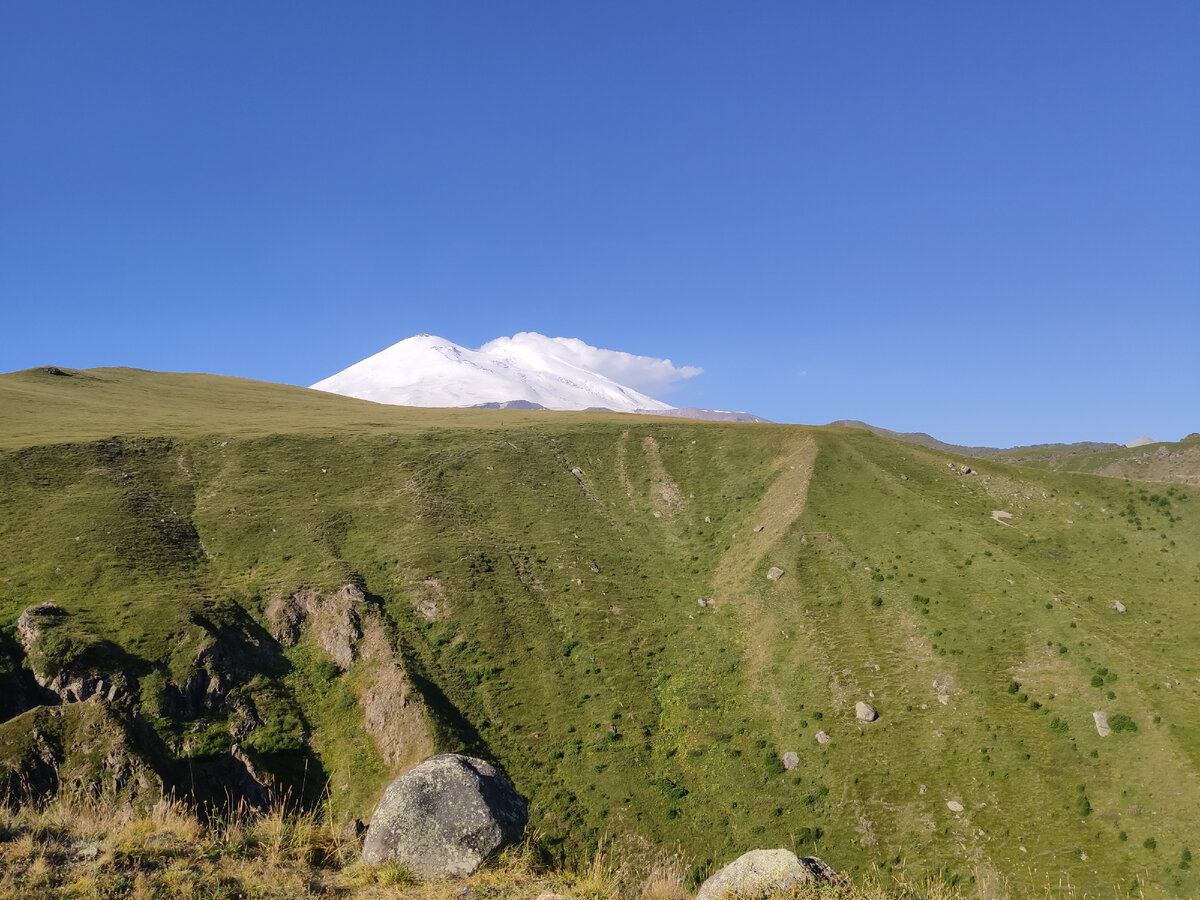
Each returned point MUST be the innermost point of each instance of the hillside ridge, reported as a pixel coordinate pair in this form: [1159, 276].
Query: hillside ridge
[588, 600]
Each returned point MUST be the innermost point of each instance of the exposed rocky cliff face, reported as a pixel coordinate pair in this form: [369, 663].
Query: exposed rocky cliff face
[353, 632]
[84, 717]
[84, 747]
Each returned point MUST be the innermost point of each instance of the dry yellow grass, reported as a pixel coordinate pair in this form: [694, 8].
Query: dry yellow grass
[81, 850]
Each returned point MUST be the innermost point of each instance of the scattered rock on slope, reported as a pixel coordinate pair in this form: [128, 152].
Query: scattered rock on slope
[775, 573]
[865, 712]
[763, 873]
[1102, 726]
[445, 817]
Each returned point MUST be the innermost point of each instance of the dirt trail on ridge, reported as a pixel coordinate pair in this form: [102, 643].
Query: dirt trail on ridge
[734, 581]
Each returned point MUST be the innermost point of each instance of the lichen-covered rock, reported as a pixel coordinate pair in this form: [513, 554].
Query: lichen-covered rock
[763, 873]
[445, 817]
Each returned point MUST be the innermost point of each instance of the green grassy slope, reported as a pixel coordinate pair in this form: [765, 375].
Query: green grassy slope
[567, 642]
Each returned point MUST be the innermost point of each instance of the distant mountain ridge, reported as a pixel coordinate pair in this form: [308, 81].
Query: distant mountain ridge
[708, 415]
[926, 440]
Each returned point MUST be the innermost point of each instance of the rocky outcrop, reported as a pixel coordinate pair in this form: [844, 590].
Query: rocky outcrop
[335, 620]
[213, 674]
[31, 623]
[352, 631]
[764, 873]
[445, 817]
[58, 663]
[395, 717]
[84, 748]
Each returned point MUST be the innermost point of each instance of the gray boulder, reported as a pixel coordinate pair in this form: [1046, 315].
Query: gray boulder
[763, 873]
[865, 712]
[445, 817]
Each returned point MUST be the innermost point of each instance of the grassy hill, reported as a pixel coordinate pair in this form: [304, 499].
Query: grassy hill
[530, 582]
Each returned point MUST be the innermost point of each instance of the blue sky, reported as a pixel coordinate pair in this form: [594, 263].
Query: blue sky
[979, 220]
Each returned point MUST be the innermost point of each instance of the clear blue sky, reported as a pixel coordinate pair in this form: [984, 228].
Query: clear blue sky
[980, 220]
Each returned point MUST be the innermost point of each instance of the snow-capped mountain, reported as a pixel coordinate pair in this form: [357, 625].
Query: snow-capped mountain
[426, 370]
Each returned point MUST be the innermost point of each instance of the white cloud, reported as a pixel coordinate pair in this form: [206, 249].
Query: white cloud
[642, 373]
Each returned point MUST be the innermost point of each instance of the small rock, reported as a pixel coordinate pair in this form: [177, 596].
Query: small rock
[708, 520]
[775, 573]
[955, 806]
[757, 529]
[865, 712]
[764, 873]
[790, 760]
[944, 699]
[904, 478]
[822, 738]
[923, 789]
[1118, 606]
[657, 514]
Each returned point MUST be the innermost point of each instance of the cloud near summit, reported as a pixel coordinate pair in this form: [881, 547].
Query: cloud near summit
[642, 373]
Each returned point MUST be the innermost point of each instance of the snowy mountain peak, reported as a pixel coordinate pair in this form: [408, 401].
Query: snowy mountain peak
[557, 373]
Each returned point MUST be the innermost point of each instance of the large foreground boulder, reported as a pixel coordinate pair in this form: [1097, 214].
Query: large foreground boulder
[445, 817]
[763, 873]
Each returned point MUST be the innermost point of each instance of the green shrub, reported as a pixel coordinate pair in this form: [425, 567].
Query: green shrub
[669, 787]
[1122, 723]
